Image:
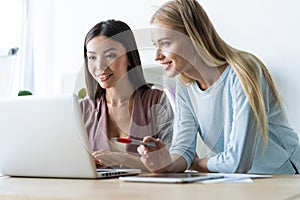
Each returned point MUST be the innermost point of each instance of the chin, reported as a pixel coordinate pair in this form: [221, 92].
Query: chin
[104, 86]
[171, 74]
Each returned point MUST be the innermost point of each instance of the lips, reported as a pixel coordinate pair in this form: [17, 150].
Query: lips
[104, 77]
[166, 65]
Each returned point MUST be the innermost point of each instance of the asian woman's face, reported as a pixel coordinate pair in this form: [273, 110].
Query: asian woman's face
[174, 49]
[107, 61]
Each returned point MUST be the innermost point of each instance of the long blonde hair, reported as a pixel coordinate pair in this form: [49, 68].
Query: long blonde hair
[188, 17]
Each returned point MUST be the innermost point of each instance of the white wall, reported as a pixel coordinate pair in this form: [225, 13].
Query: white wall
[268, 28]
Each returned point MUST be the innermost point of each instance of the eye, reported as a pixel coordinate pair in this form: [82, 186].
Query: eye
[111, 56]
[154, 44]
[92, 57]
[165, 43]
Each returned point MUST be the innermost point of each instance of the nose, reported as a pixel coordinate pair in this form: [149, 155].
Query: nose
[101, 65]
[97, 67]
[159, 55]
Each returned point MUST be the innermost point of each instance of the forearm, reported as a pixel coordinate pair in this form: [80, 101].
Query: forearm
[133, 161]
[200, 165]
[121, 159]
[177, 165]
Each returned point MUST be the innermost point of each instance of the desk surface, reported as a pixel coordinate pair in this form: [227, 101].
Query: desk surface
[284, 187]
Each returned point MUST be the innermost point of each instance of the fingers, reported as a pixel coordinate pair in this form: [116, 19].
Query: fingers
[155, 161]
[99, 152]
[149, 139]
[97, 157]
[145, 150]
[158, 142]
[154, 158]
[142, 150]
[97, 161]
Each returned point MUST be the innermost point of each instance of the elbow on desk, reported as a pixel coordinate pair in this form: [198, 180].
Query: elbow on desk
[229, 166]
[243, 168]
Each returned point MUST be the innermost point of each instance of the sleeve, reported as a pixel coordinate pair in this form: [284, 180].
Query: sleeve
[185, 126]
[241, 142]
[86, 108]
[83, 107]
[164, 119]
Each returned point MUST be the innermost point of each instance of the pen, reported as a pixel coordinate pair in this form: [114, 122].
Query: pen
[132, 141]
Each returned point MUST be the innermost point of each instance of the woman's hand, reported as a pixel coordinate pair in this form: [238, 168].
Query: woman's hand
[117, 160]
[199, 164]
[100, 158]
[156, 159]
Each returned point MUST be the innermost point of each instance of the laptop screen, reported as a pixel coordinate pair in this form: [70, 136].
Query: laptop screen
[44, 137]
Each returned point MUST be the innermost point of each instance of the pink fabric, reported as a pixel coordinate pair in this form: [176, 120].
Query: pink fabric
[95, 119]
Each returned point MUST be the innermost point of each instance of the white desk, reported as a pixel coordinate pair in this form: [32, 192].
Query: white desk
[283, 187]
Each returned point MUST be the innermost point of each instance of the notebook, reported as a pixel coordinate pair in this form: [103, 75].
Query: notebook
[46, 137]
[171, 177]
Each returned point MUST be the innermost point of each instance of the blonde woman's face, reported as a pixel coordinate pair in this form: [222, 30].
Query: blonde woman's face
[174, 51]
[107, 61]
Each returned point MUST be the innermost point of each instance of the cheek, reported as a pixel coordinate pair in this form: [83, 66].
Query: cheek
[170, 54]
[119, 66]
[91, 70]
[186, 51]
[92, 65]
[180, 64]
[174, 52]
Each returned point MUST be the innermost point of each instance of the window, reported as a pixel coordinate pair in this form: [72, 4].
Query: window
[10, 23]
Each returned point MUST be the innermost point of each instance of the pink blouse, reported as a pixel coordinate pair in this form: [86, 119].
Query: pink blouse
[152, 115]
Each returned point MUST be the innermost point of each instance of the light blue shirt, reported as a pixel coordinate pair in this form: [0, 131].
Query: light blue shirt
[223, 118]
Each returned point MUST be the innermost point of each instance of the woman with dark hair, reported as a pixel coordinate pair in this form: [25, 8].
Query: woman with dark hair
[120, 103]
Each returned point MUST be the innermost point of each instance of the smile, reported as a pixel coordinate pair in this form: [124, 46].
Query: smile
[104, 77]
[166, 65]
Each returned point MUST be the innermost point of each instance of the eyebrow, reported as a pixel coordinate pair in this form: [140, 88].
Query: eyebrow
[164, 38]
[110, 49]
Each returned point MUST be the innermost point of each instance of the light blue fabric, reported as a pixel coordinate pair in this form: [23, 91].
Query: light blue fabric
[222, 116]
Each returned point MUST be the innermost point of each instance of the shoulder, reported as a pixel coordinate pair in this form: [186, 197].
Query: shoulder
[149, 94]
[234, 81]
[86, 102]
[181, 87]
[230, 78]
[89, 104]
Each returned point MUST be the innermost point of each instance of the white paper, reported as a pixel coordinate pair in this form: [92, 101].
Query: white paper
[235, 178]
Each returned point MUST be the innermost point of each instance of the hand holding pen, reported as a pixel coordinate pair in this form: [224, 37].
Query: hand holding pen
[157, 158]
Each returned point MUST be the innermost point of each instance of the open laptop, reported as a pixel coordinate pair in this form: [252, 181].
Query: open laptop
[46, 137]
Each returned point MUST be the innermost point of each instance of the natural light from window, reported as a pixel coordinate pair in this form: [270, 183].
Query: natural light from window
[10, 22]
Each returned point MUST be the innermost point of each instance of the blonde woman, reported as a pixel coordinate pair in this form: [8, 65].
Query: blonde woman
[224, 94]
